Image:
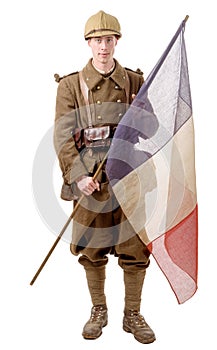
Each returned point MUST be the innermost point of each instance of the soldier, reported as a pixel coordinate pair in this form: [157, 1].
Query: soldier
[89, 105]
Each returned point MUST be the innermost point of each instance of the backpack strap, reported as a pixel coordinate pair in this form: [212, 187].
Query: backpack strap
[127, 89]
[85, 93]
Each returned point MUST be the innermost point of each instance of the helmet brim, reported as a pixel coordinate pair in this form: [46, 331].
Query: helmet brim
[104, 32]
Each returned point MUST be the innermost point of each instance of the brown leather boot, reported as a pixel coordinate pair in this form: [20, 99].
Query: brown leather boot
[135, 323]
[98, 320]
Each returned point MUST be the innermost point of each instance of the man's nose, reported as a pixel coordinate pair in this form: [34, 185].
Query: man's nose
[104, 44]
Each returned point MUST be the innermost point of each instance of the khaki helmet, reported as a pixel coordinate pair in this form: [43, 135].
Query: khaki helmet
[102, 24]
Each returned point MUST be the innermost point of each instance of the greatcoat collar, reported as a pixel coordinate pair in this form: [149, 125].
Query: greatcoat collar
[93, 78]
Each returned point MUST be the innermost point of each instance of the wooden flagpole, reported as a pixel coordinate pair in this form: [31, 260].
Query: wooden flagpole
[66, 225]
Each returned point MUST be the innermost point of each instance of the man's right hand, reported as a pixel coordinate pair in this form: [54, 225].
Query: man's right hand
[87, 185]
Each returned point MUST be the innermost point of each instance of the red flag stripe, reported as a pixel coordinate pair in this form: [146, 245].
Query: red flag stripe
[176, 253]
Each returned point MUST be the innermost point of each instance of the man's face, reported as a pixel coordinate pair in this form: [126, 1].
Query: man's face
[103, 48]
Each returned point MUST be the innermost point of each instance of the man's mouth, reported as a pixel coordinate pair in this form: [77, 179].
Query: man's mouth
[104, 54]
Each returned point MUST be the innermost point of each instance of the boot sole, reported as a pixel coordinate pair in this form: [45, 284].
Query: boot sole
[90, 337]
[148, 341]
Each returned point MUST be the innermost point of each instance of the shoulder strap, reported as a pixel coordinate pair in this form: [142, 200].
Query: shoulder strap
[57, 77]
[84, 90]
[127, 89]
[138, 71]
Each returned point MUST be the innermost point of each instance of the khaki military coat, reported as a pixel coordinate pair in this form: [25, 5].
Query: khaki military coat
[71, 111]
[108, 98]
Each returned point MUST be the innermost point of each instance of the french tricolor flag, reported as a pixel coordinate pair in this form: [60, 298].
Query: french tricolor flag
[151, 167]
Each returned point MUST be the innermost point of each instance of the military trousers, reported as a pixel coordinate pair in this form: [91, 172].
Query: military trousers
[100, 228]
[109, 232]
[99, 241]
[132, 255]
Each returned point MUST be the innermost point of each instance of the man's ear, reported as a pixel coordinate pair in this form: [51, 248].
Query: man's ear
[88, 41]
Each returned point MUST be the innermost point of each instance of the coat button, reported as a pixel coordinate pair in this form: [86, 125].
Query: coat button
[117, 87]
[118, 101]
[99, 102]
[120, 114]
[98, 87]
[99, 117]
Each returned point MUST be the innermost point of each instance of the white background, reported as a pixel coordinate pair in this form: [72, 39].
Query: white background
[38, 39]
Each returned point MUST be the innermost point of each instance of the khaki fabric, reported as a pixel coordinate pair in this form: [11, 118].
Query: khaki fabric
[101, 24]
[107, 98]
[133, 281]
[99, 226]
[133, 257]
[96, 282]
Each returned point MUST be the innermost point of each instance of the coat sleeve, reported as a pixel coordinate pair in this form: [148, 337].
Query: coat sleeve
[65, 122]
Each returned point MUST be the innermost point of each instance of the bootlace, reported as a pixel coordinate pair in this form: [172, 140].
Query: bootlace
[96, 313]
[137, 318]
